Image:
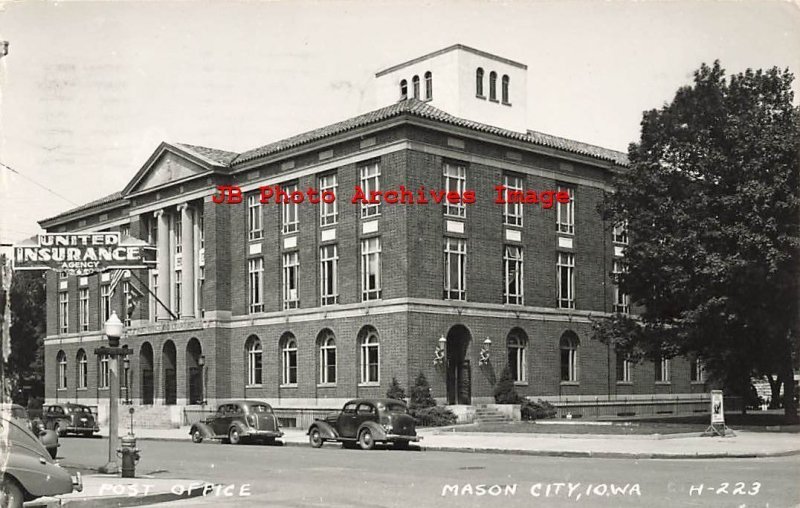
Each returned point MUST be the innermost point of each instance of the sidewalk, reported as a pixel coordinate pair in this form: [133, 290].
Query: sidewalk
[681, 446]
[101, 491]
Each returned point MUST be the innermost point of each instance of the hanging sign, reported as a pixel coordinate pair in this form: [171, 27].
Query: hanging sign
[83, 253]
[717, 409]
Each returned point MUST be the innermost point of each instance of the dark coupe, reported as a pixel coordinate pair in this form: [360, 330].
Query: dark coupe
[239, 420]
[69, 417]
[366, 422]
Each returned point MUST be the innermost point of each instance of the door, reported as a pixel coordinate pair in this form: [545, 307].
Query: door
[170, 387]
[347, 421]
[147, 387]
[195, 385]
[464, 383]
[222, 420]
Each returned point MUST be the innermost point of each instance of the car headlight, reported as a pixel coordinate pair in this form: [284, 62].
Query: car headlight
[387, 427]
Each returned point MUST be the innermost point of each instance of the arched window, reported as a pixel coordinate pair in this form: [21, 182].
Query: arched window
[254, 361]
[516, 357]
[428, 85]
[492, 86]
[83, 370]
[370, 358]
[102, 379]
[479, 82]
[504, 90]
[289, 361]
[61, 358]
[415, 86]
[403, 90]
[327, 358]
[569, 357]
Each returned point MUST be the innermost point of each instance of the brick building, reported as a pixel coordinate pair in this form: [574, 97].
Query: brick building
[305, 305]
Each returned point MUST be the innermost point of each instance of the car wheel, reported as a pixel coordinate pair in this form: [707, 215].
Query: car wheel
[11, 494]
[365, 440]
[315, 438]
[401, 445]
[233, 436]
[197, 437]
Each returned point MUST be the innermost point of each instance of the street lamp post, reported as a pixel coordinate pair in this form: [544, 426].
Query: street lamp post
[201, 362]
[126, 365]
[113, 329]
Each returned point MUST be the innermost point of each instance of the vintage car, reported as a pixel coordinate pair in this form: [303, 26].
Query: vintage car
[69, 418]
[28, 471]
[366, 422]
[239, 420]
[48, 438]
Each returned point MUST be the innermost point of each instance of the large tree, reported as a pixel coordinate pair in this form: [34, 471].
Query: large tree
[25, 371]
[711, 199]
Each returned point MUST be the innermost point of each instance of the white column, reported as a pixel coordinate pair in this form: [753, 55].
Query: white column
[187, 263]
[162, 243]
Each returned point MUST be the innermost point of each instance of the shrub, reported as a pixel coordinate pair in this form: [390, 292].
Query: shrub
[537, 410]
[395, 391]
[504, 391]
[420, 396]
[436, 416]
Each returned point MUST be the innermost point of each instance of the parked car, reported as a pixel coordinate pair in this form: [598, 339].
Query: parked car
[28, 471]
[237, 421]
[68, 417]
[366, 422]
[48, 438]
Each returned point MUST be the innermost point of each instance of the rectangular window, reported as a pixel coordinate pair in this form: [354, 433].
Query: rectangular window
[624, 369]
[620, 299]
[178, 230]
[565, 212]
[152, 231]
[329, 275]
[63, 312]
[126, 299]
[512, 261]
[153, 303]
[201, 281]
[255, 269]
[662, 371]
[289, 216]
[455, 179]
[370, 181]
[455, 269]
[201, 229]
[328, 212]
[83, 372]
[125, 231]
[62, 372]
[291, 267]
[105, 303]
[83, 309]
[620, 233]
[565, 272]
[102, 381]
[178, 296]
[255, 230]
[512, 212]
[697, 371]
[371, 269]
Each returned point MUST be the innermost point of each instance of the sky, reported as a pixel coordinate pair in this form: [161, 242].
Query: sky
[89, 89]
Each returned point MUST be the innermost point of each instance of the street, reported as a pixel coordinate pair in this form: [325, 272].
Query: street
[292, 476]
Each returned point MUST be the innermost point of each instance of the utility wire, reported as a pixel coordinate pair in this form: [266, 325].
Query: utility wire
[37, 183]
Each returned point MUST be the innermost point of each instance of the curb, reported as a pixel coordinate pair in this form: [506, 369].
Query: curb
[119, 501]
[559, 453]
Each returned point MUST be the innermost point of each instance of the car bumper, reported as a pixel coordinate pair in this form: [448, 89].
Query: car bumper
[400, 437]
[263, 433]
[83, 429]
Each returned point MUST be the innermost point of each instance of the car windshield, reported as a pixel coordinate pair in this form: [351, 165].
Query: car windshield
[260, 408]
[394, 407]
[84, 410]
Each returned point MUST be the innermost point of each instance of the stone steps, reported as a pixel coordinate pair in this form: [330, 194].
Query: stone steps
[486, 415]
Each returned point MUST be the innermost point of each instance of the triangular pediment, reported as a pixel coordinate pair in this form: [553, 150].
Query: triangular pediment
[169, 164]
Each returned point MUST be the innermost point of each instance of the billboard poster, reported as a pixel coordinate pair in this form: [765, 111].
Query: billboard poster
[717, 409]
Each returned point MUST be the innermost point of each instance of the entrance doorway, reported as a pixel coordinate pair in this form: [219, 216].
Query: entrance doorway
[459, 371]
[169, 377]
[194, 373]
[146, 368]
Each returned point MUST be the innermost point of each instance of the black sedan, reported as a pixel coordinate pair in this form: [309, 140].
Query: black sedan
[239, 420]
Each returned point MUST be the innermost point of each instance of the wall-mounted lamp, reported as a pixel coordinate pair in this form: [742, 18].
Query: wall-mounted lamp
[485, 351]
[438, 354]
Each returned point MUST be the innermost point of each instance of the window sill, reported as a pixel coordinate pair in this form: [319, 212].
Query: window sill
[454, 216]
[292, 232]
[84, 389]
[624, 383]
[331, 225]
[481, 97]
[61, 389]
[699, 383]
[570, 383]
[254, 386]
[371, 383]
[326, 385]
[370, 217]
[506, 104]
[663, 383]
[494, 100]
[102, 389]
[255, 238]
[510, 225]
[514, 304]
[289, 385]
[520, 383]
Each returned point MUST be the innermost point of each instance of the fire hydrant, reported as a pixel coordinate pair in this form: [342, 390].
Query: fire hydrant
[130, 456]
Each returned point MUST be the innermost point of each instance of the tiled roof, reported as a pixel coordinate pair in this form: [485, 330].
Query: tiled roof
[213, 154]
[421, 109]
[117, 196]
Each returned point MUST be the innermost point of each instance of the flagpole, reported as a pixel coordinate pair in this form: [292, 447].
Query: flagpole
[153, 295]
